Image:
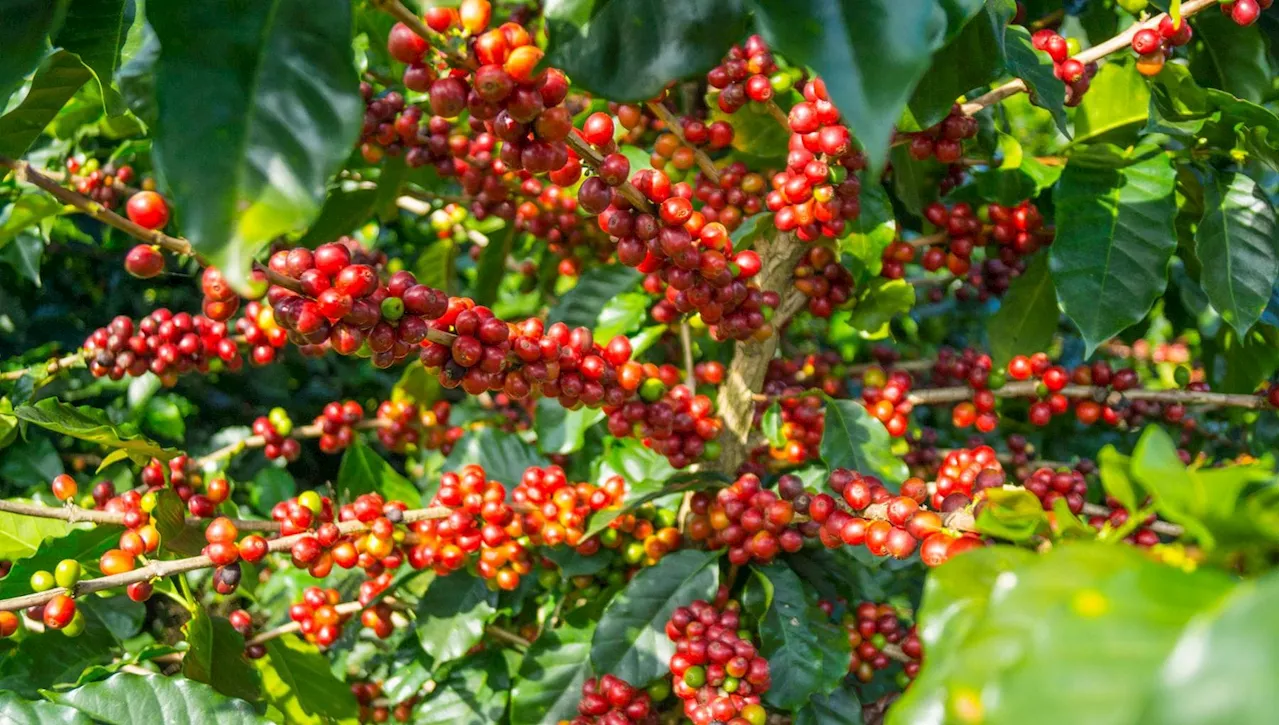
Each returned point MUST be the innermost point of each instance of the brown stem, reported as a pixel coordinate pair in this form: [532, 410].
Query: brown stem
[778, 114]
[686, 342]
[704, 162]
[592, 158]
[509, 637]
[160, 569]
[1027, 389]
[51, 367]
[1160, 527]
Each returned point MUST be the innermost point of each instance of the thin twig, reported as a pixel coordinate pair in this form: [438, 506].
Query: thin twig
[704, 162]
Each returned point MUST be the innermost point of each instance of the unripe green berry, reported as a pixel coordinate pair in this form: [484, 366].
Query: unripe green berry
[67, 573]
[652, 390]
[695, 676]
[392, 309]
[42, 581]
[76, 626]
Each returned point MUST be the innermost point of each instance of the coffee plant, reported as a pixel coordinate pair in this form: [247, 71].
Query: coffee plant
[726, 362]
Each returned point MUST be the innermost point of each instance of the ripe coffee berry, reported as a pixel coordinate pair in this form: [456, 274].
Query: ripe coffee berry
[147, 209]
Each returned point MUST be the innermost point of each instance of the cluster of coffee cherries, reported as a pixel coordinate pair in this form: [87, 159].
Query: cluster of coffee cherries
[103, 183]
[242, 622]
[1142, 536]
[871, 628]
[367, 695]
[409, 426]
[481, 521]
[740, 194]
[1049, 485]
[945, 140]
[163, 343]
[885, 396]
[970, 368]
[318, 617]
[801, 429]
[745, 76]
[555, 511]
[716, 670]
[964, 473]
[886, 524]
[676, 157]
[640, 537]
[275, 429]
[819, 190]
[612, 700]
[337, 423]
[1076, 75]
[668, 417]
[827, 283]
[261, 333]
[344, 302]
[186, 480]
[225, 552]
[60, 612]
[140, 535]
[1154, 45]
[756, 524]
[1244, 12]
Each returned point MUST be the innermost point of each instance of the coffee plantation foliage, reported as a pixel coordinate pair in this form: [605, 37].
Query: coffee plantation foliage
[625, 361]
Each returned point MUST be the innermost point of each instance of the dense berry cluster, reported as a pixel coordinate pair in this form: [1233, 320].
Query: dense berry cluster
[745, 75]
[740, 194]
[827, 283]
[667, 417]
[556, 511]
[1013, 233]
[1049, 485]
[885, 397]
[675, 157]
[756, 524]
[260, 332]
[163, 343]
[101, 182]
[344, 303]
[275, 429]
[408, 426]
[886, 524]
[718, 673]
[318, 618]
[336, 425]
[945, 140]
[367, 696]
[611, 700]
[819, 190]
[963, 474]
[872, 628]
[1076, 75]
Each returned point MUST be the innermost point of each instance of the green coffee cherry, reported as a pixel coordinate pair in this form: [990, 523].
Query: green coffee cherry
[67, 573]
[42, 581]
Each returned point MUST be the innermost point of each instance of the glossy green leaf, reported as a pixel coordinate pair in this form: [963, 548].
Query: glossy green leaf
[806, 652]
[23, 255]
[504, 456]
[1113, 470]
[89, 424]
[33, 462]
[1233, 58]
[581, 306]
[453, 614]
[1069, 636]
[216, 657]
[364, 471]
[1117, 102]
[24, 35]
[38, 712]
[125, 699]
[492, 265]
[853, 439]
[475, 693]
[1110, 257]
[84, 545]
[561, 430]
[841, 707]
[646, 492]
[631, 640]
[21, 536]
[297, 681]
[1013, 515]
[871, 53]
[1183, 109]
[270, 486]
[598, 44]
[25, 212]
[169, 514]
[1035, 68]
[640, 465]
[96, 30]
[1235, 244]
[345, 208]
[879, 303]
[548, 684]
[247, 158]
[1217, 671]
[621, 315]
[973, 58]
[1028, 315]
[59, 76]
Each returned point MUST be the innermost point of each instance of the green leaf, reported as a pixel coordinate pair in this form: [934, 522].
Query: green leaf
[503, 455]
[435, 267]
[852, 439]
[1217, 659]
[1233, 58]
[453, 614]
[417, 385]
[95, 30]
[581, 306]
[1036, 70]
[271, 485]
[880, 302]
[256, 112]
[169, 514]
[871, 53]
[1071, 636]
[55, 81]
[363, 471]
[549, 682]
[216, 657]
[1235, 244]
[297, 681]
[345, 208]
[26, 212]
[1250, 358]
[84, 545]
[841, 707]
[561, 430]
[572, 564]
[24, 35]
[806, 652]
[89, 424]
[33, 462]
[631, 639]
[1210, 117]
[1028, 315]
[622, 314]
[1013, 515]
[21, 536]
[23, 255]
[1115, 237]
[1118, 100]
[51, 658]
[38, 712]
[1113, 469]
[639, 494]
[971, 59]
[492, 265]
[600, 46]
[475, 693]
[125, 699]
[771, 425]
